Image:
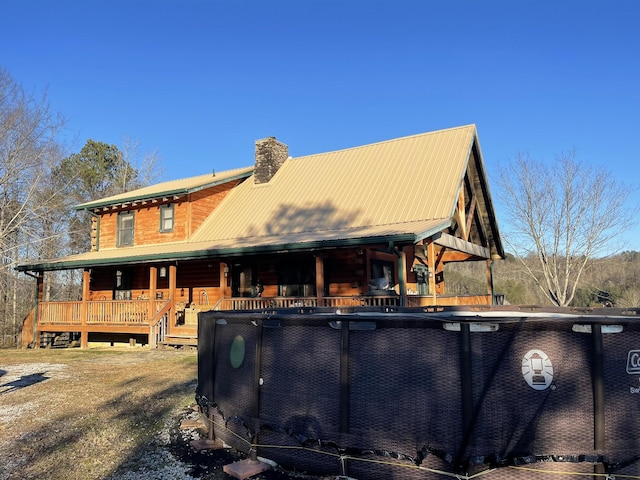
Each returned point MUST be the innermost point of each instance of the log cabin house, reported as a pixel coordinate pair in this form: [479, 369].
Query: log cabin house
[367, 226]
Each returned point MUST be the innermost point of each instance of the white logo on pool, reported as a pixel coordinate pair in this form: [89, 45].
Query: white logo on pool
[537, 369]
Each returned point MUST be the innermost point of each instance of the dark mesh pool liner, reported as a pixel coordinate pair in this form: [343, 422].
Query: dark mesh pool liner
[506, 392]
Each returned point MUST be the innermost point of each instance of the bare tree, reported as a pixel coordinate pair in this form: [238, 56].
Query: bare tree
[147, 167]
[562, 215]
[28, 151]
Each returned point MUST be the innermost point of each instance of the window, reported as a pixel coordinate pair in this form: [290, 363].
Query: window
[125, 229]
[166, 218]
[296, 278]
[382, 274]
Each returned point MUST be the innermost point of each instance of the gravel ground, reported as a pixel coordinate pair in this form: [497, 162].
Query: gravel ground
[104, 413]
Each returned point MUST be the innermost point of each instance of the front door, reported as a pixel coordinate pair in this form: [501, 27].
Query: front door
[122, 286]
[242, 281]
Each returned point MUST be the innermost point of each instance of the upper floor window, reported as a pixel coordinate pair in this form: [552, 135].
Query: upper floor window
[166, 218]
[125, 229]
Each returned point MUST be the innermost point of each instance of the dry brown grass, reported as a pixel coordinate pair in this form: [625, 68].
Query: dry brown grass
[81, 414]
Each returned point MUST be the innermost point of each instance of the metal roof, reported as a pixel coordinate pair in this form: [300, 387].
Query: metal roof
[404, 189]
[401, 181]
[170, 188]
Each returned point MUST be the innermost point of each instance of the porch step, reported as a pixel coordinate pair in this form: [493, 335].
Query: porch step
[180, 340]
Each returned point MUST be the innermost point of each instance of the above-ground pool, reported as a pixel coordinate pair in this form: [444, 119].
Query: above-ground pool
[506, 392]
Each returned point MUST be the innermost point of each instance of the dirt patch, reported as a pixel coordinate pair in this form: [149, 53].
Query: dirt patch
[103, 414]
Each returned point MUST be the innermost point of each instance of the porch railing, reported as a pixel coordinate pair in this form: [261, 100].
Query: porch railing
[136, 312]
[120, 312]
[160, 323]
[265, 303]
[60, 313]
[159, 331]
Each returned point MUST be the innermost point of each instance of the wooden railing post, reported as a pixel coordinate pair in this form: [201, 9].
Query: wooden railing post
[84, 334]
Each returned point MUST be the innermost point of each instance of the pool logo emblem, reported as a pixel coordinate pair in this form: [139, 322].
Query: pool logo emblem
[633, 362]
[537, 369]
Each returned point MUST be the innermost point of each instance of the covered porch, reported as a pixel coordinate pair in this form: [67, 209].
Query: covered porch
[133, 317]
[159, 303]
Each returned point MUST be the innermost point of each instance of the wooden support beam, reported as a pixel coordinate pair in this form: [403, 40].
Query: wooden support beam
[470, 216]
[173, 279]
[489, 277]
[431, 263]
[402, 275]
[319, 278]
[455, 256]
[173, 291]
[224, 271]
[39, 298]
[86, 289]
[460, 215]
[439, 277]
[153, 286]
[461, 245]
[40, 286]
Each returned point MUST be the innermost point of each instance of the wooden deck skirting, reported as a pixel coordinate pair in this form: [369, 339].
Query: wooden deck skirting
[133, 316]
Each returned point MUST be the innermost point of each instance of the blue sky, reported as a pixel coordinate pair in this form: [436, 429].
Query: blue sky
[200, 80]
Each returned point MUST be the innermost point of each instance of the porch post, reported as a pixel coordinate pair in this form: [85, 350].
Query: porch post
[153, 286]
[431, 263]
[173, 291]
[489, 272]
[84, 308]
[172, 281]
[402, 276]
[36, 313]
[224, 270]
[319, 279]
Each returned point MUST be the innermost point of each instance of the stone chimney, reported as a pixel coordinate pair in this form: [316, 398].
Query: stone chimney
[270, 155]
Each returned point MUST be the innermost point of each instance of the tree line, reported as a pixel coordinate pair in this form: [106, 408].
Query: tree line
[40, 183]
[606, 281]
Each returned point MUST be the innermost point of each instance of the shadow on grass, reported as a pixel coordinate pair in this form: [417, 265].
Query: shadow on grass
[22, 382]
[106, 423]
[109, 438]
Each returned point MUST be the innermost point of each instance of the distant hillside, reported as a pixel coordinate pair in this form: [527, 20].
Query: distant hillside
[614, 279]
